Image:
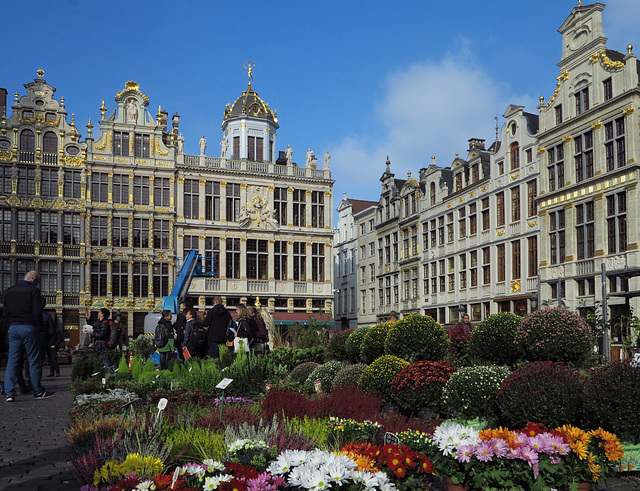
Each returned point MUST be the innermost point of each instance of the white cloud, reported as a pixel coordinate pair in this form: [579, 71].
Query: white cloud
[429, 108]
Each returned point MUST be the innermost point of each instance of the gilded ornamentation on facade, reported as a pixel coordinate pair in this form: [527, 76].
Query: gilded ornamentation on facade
[628, 110]
[561, 78]
[73, 161]
[158, 151]
[500, 233]
[604, 60]
[5, 154]
[515, 286]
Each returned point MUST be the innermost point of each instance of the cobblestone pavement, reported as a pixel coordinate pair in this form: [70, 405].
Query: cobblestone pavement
[34, 453]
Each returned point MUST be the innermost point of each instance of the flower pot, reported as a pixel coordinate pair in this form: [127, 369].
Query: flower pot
[455, 487]
[584, 486]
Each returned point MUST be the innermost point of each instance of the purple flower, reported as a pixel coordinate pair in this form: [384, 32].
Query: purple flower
[539, 443]
[500, 447]
[529, 455]
[465, 452]
[555, 459]
[484, 451]
[558, 445]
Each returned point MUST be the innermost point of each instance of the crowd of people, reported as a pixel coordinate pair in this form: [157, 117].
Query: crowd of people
[30, 334]
[188, 337]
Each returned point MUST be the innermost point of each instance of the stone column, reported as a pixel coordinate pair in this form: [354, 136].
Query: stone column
[223, 201]
[243, 258]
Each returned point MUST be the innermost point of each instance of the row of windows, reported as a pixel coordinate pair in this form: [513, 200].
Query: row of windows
[122, 228]
[257, 259]
[48, 227]
[585, 229]
[123, 275]
[582, 99]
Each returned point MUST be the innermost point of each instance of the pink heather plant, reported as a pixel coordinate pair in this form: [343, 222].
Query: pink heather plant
[554, 335]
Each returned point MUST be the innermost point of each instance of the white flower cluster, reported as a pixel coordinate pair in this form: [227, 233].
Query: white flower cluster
[449, 436]
[244, 444]
[112, 395]
[317, 470]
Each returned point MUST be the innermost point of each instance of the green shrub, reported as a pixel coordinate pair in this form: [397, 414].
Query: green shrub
[611, 399]
[554, 335]
[292, 357]
[143, 346]
[123, 372]
[373, 343]
[420, 384]
[308, 335]
[493, 339]
[353, 344]
[415, 338]
[471, 392]
[542, 391]
[249, 373]
[84, 365]
[380, 374]
[300, 373]
[336, 347]
[325, 374]
[349, 376]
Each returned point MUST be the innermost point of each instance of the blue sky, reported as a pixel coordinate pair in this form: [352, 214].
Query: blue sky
[363, 80]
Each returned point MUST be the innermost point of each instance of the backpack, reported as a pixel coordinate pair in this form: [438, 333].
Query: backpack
[161, 337]
[199, 335]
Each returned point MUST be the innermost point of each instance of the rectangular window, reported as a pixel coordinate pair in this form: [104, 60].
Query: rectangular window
[475, 172]
[515, 204]
[500, 209]
[529, 153]
[140, 233]
[141, 145]
[48, 183]
[99, 231]
[582, 100]
[26, 226]
[462, 225]
[27, 181]
[140, 279]
[317, 209]
[233, 202]
[191, 198]
[556, 167]
[501, 262]
[71, 227]
[48, 276]
[617, 222]
[299, 208]
[280, 205]
[256, 149]
[280, 260]
[559, 114]
[585, 230]
[532, 192]
[71, 277]
[516, 260]
[486, 218]
[190, 243]
[161, 191]
[121, 143]
[119, 232]
[48, 226]
[212, 200]
[532, 243]
[99, 278]
[440, 230]
[100, 187]
[473, 223]
[212, 256]
[72, 185]
[486, 265]
[615, 143]
[317, 262]
[474, 267]
[557, 236]
[120, 278]
[583, 156]
[233, 258]
[257, 259]
[607, 87]
[299, 261]
[141, 190]
[161, 234]
[236, 148]
[121, 188]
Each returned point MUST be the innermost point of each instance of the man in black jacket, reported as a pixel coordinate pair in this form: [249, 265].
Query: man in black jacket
[217, 320]
[23, 306]
[101, 331]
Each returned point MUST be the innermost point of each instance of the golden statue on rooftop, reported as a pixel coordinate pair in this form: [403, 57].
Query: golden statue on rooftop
[249, 66]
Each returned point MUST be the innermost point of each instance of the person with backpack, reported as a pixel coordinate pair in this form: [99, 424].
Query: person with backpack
[217, 321]
[164, 339]
[195, 336]
[101, 330]
[116, 337]
[243, 329]
[259, 333]
[180, 324]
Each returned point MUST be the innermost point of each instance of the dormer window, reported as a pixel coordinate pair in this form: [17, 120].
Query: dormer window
[458, 181]
[607, 87]
[50, 117]
[559, 114]
[475, 173]
[582, 100]
[27, 114]
[514, 155]
[255, 149]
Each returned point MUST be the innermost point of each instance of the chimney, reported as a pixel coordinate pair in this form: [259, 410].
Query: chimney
[476, 143]
[175, 121]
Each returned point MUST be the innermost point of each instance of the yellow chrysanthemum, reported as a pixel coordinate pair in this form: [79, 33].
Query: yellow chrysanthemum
[594, 468]
[579, 448]
[364, 463]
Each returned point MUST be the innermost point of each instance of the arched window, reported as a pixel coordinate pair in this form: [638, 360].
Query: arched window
[432, 193]
[50, 148]
[515, 156]
[27, 146]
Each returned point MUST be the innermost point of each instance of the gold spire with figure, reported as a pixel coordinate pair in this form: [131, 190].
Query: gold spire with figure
[249, 66]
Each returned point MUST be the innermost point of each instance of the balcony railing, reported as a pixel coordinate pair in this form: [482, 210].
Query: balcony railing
[257, 285]
[212, 284]
[532, 284]
[5, 248]
[27, 156]
[49, 158]
[25, 249]
[48, 250]
[300, 287]
[585, 267]
[71, 251]
[71, 300]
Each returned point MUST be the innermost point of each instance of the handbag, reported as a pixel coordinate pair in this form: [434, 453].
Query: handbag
[236, 344]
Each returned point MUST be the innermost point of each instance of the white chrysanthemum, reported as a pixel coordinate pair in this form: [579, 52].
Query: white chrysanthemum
[281, 465]
[337, 472]
[317, 480]
[213, 465]
[214, 482]
[193, 469]
[144, 486]
[345, 462]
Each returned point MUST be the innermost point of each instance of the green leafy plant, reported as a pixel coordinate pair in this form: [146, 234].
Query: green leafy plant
[336, 347]
[249, 373]
[542, 391]
[325, 374]
[554, 335]
[292, 357]
[189, 444]
[471, 392]
[348, 376]
[353, 344]
[308, 335]
[415, 338]
[420, 384]
[142, 346]
[493, 339]
[380, 374]
[300, 373]
[373, 343]
[343, 430]
[611, 398]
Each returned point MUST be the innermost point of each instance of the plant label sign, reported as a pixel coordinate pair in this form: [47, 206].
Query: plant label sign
[391, 439]
[224, 383]
[318, 386]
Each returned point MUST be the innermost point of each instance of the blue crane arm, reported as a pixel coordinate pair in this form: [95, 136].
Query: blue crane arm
[192, 267]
